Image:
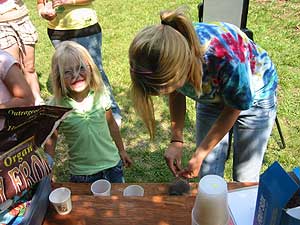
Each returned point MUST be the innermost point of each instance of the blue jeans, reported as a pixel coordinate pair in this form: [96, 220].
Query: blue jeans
[251, 133]
[93, 44]
[113, 175]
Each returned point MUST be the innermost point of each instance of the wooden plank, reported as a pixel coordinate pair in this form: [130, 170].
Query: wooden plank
[156, 207]
[117, 210]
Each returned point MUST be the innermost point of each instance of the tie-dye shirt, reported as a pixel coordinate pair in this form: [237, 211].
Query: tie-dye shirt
[236, 72]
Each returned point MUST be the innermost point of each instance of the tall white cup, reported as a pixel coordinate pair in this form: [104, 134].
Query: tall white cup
[211, 207]
[101, 188]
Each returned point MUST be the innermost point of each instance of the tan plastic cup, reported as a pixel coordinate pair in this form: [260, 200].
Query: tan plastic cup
[133, 190]
[211, 204]
[101, 188]
[61, 200]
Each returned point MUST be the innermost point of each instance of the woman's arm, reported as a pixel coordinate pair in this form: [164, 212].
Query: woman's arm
[218, 130]
[18, 87]
[116, 136]
[177, 107]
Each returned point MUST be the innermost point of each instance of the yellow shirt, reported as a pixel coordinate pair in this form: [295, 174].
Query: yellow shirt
[74, 17]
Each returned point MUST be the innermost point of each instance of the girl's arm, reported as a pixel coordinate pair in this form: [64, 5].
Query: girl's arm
[177, 107]
[116, 136]
[18, 87]
[57, 3]
[50, 144]
[49, 148]
[218, 130]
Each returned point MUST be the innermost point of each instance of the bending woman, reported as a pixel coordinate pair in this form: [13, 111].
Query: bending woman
[232, 80]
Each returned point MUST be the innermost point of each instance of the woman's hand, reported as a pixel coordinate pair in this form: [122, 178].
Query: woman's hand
[193, 167]
[173, 157]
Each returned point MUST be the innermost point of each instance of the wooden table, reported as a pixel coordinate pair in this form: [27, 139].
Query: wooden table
[156, 207]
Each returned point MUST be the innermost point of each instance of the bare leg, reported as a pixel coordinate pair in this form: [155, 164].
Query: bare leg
[27, 62]
[30, 73]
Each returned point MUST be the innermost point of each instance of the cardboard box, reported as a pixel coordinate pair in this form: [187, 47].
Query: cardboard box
[277, 189]
[242, 204]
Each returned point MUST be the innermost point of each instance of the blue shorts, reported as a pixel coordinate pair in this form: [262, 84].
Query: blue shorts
[113, 175]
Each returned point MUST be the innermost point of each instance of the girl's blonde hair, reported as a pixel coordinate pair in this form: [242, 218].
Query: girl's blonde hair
[72, 54]
[161, 57]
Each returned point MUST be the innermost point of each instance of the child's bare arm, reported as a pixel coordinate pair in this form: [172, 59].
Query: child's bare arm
[21, 94]
[51, 144]
[116, 136]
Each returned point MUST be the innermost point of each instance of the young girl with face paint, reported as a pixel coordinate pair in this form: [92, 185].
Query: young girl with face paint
[95, 146]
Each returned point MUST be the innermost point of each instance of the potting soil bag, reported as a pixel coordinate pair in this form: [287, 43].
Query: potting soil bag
[23, 132]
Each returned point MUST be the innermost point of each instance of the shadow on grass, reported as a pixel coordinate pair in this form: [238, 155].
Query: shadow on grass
[149, 164]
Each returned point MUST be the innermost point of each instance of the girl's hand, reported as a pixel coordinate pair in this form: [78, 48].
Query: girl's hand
[127, 162]
[173, 157]
[193, 168]
[47, 11]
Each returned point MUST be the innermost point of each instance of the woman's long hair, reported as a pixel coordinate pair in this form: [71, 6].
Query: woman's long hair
[162, 58]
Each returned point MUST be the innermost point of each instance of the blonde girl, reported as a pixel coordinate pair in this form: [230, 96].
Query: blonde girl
[95, 146]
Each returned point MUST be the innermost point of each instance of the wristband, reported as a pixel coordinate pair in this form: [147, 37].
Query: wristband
[175, 140]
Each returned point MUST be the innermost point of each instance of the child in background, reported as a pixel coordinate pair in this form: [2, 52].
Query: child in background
[96, 150]
[14, 92]
[18, 36]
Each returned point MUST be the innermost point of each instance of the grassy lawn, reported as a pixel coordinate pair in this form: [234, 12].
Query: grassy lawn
[276, 28]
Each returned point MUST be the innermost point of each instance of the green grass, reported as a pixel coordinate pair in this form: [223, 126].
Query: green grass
[276, 28]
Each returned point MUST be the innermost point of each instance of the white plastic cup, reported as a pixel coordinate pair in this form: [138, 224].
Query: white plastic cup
[61, 200]
[211, 204]
[133, 190]
[101, 188]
